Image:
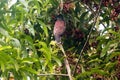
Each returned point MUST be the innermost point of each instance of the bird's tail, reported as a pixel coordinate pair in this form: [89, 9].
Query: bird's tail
[58, 39]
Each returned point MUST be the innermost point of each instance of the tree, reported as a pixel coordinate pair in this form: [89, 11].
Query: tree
[28, 49]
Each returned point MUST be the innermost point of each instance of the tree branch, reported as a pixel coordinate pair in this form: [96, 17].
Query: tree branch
[52, 74]
[66, 63]
[88, 37]
[94, 13]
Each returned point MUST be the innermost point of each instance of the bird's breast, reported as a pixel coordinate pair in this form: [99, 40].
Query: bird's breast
[59, 27]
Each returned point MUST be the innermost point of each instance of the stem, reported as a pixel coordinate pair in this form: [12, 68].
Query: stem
[66, 63]
[94, 13]
[52, 74]
[88, 37]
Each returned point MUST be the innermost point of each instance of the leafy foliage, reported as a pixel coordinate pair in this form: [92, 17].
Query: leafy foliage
[28, 49]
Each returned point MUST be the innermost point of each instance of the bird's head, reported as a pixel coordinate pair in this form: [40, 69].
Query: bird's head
[59, 17]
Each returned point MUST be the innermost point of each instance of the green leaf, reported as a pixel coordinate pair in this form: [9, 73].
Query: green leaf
[110, 66]
[16, 42]
[14, 63]
[44, 27]
[82, 17]
[2, 42]
[112, 55]
[28, 69]
[105, 49]
[109, 48]
[5, 47]
[83, 75]
[46, 53]
[89, 73]
[46, 50]
[94, 60]
[4, 59]
[57, 60]
[4, 32]
[29, 60]
[2, 64]
[99, 71]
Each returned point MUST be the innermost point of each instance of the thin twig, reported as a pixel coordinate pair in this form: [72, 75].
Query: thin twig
[104, 25]
[61, 3]
[88, 37]
[72, 1]
[66, 62]
[52, 74]
[94, 13]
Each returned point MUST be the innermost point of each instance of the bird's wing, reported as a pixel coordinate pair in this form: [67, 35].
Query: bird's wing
[59, 27]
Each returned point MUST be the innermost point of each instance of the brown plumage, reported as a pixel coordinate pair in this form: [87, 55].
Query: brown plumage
[59, 28]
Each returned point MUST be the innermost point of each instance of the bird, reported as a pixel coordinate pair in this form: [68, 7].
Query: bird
[59, 28]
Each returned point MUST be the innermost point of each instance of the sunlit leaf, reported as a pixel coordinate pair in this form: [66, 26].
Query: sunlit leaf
[15, 42]
[110, 66]
[2, 65]
[4, 32]
[29, 70]
[5, 47]
[57, 60]
[29, 60]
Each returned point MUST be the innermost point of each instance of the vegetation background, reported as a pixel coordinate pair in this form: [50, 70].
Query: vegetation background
[27, 47]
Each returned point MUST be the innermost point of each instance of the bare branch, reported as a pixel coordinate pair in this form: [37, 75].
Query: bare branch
[88, 37]
[52, 74]
[66, 63]
[94, 13]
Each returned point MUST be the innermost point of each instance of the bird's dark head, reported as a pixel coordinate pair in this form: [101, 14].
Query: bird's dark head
[60, 17]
